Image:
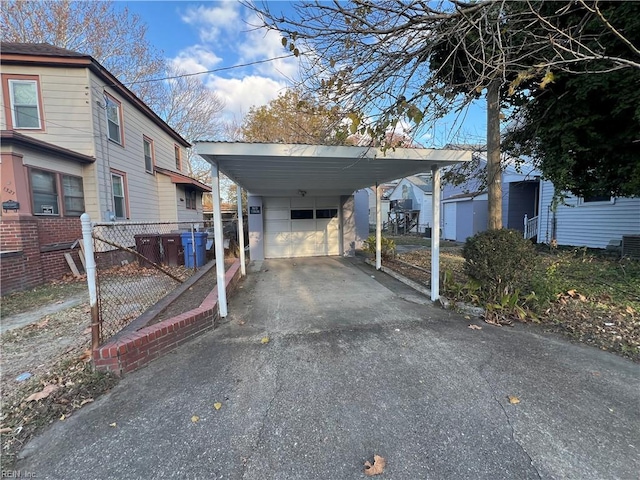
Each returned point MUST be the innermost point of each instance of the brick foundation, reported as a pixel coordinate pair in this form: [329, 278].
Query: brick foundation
[34, 256]
[135, 349]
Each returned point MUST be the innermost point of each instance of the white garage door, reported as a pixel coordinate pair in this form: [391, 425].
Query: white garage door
[300, 227]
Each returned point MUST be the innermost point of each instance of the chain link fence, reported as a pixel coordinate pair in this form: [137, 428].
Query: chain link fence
[137, 264]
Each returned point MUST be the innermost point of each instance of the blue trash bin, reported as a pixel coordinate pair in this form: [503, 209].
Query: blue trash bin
[200, 249]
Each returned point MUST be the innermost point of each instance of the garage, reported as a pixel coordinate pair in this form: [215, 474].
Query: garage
[301, 226]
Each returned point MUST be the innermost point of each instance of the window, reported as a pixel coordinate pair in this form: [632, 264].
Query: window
[190, 193]
[118, 185]
[73, 194]
[327, 213]
[596, 198]
[25, 107]
[178, 155]
[114, 119]
[44, 191]
[149, 154]
[301, 214]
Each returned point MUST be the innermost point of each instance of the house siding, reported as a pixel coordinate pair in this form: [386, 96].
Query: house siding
[65, 104]
[144, 197]
[590, 225]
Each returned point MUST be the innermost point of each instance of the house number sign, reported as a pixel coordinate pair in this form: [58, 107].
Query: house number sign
[254, 210]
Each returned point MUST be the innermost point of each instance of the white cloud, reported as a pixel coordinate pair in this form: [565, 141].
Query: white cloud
[211, 21]
[197, 58]
[240, 94]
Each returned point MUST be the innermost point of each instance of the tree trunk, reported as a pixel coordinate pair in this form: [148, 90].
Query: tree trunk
[494, 172]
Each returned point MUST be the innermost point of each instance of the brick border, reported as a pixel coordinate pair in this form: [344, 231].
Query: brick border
[135, 349]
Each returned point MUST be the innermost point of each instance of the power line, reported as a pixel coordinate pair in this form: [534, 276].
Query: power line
[215, 70]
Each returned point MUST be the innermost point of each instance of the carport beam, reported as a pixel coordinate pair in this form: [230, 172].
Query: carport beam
[218, 239]
[435, 235]
[243, 268]
[378, 227]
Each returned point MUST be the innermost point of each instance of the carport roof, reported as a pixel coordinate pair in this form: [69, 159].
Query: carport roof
[276, 169]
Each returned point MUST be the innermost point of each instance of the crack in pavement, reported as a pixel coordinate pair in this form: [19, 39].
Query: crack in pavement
[512, 429]
[259, 438]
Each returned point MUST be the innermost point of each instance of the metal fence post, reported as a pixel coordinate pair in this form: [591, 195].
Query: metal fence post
[90, 267]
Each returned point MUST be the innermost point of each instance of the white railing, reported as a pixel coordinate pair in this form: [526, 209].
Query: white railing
[530, 227]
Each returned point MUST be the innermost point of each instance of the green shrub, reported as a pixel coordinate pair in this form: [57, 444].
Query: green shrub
[502, 261]
[388, 247]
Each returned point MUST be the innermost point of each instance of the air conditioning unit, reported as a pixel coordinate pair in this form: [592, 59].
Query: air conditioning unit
[631, 246]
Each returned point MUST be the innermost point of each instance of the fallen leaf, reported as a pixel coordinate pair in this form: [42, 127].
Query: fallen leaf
[377, 468]
[264, 340]
[43, 323]
[113, 425]
[513, 400]
[195, 419]
[475, 327]
[85, 401]
[571, 293]
[86, 356]
[44, 393]
[467, 317]
[241, 322]
[217, 405]
[6, 430]
[62, 417]
[630, 310]
[87, 330]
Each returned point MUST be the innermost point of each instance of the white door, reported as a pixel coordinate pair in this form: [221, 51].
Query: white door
[449, 215]
[300, 227]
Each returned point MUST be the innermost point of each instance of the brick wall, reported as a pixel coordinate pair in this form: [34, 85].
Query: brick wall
[135, 349]
[33, 267]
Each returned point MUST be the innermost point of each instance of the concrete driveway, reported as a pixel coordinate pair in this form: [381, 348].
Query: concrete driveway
[355, 366]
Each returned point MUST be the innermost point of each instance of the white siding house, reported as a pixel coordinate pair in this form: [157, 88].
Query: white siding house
[417, 189]
[581, 222]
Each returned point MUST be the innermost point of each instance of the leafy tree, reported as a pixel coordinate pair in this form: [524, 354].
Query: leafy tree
[117, 39]
[583, 129]
[399, 60]
[295, 117]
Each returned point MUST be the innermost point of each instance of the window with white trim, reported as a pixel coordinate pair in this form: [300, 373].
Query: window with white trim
[119, 195]
[148, 154]
[114, 119]
[25, 107]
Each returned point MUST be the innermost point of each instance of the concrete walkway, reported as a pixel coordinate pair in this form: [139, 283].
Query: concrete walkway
[354, 367]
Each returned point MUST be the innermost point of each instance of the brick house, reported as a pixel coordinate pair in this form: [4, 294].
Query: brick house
[75, 139]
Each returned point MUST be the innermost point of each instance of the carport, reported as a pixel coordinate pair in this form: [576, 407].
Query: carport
[310, 176]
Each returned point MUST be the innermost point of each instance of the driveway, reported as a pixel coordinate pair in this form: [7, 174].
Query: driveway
[356, 365]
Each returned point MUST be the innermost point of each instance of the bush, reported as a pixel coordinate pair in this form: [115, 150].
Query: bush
[388, 247]
[502, 261]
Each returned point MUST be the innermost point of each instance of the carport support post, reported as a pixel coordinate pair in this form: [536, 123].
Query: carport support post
[218, 239]
[243, 268]
[435, 235]
[378, 227]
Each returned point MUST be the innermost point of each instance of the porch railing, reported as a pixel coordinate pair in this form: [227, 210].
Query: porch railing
[530, 227]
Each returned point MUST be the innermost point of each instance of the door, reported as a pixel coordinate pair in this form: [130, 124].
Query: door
[449, 215]
[301, 227]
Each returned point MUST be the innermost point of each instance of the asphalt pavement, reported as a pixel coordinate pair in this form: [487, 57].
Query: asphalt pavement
[356, 364]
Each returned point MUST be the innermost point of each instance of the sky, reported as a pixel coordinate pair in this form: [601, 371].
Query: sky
[203, 36]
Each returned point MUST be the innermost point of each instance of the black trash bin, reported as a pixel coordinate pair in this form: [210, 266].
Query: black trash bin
[148, 245]
[172, 249]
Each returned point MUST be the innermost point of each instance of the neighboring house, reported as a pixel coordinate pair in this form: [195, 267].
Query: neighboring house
[465, 207]
[74, 140]
[596, 222]
[384, 203]
[411, 205]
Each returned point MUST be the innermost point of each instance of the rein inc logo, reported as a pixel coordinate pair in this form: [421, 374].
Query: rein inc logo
[18, 474]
